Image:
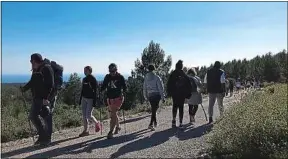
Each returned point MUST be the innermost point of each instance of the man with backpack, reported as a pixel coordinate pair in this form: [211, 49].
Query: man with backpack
[215, 83]
[41, 85]
[115, 86]
[180, 88]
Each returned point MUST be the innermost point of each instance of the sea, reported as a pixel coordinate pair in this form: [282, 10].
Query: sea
[25, 78]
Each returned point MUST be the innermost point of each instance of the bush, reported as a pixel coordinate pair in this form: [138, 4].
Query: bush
[256, 127]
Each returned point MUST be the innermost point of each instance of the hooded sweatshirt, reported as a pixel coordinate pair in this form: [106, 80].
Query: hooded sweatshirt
[153, 84]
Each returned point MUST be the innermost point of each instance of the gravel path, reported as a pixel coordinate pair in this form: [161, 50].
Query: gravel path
[137, 143]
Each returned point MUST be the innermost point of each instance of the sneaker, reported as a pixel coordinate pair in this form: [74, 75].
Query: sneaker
[37, 142]
[45, 142]
[210, 120]
[98, 127]
[117, 129]
[110, 135]
[173, 124]
[181, 126]
[84, 133]
[151, 127]
[155, 124]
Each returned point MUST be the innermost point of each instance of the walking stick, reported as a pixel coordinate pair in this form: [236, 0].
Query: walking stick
[25, 105]
[204, 112]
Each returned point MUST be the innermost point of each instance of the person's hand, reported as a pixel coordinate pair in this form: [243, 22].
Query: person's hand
[46, 102]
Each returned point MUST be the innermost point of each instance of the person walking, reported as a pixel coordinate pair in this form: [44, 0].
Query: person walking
[115, 86]
[41, 85]
[153, 91]
[88, 101]
[196, 97]
[215, 83]
[180, 88]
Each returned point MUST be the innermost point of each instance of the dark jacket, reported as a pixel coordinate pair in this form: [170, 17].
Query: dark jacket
[172, 90]
[41, 82]
[114, 85]
[214, 84]
[89, 88]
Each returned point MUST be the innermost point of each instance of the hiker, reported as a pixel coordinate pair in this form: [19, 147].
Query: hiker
[231, 87]
[88, 101]
[227, 87]
[215, 83]
[180, 88]
[41, 85]
[115, 86]
[238, 85]
[153, 90]
[196, 97]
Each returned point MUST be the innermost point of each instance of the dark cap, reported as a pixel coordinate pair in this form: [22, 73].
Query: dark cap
[36, 57]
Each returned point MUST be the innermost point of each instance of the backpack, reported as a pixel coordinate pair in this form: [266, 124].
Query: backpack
[181, 85]
[58, 73]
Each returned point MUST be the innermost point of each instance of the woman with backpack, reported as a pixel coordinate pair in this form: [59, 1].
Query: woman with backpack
[196, 97]
[88, 101]
[153, 90]
[115, 86]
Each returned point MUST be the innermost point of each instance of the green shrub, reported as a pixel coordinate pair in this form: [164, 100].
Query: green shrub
[256, 127]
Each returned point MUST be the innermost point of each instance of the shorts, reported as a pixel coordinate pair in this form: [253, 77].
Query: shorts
[115, 104]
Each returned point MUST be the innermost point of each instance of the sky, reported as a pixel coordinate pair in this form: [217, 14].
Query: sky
[76, 34]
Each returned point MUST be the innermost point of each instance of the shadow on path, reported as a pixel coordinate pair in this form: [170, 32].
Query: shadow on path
[32, 148]
[192, 132]
[134, 119]
[155, 139]
[71, 148]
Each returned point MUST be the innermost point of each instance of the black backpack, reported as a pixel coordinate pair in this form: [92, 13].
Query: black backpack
[58, 73]
[183, 85]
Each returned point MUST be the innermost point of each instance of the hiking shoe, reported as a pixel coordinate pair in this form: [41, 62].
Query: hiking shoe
[84, 133]
[37, 142]
[110, 135]
[98, 127]
[45, 142]
[173, 124]
[117, 129]
[155, 124]
[151, 127]
[210, 120]
[181, 126]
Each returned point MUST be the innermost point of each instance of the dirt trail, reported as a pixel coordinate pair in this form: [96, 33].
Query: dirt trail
[137, 142]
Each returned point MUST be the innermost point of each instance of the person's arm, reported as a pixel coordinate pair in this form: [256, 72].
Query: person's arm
[170, 84]
[48, 81]
[123, 83]
[222, 80]
[104, 84]
[160, 86]
[28, 85]
[145, 89]
[81, 92]
[94, 88]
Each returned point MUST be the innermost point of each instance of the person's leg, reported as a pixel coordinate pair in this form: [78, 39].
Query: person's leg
[181, 110]
[212, 99]
[90, 116]
[49, 119]
[220, 103]
[194, 110]
[34, 116]
[118, 104]
[174, 110]
[84, 110]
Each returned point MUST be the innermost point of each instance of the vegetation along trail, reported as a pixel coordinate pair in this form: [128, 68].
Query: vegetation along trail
[137, 142]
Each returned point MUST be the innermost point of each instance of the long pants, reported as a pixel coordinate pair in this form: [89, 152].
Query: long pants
[87, 110]
[212, 99]
[48, 119]
[154, 102]
[178, 103]
[193, 109]
[34, 116]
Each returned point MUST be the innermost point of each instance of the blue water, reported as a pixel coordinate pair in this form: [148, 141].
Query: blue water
[26, 78]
